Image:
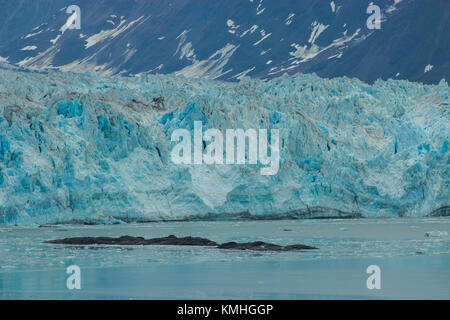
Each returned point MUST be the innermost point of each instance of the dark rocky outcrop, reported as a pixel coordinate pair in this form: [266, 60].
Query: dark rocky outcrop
[262, 246]
[129, 240]
[175, 241]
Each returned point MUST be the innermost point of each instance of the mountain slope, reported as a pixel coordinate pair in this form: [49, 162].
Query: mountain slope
[228, 40]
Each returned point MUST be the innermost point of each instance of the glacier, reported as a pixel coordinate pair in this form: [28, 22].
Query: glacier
[86, 148]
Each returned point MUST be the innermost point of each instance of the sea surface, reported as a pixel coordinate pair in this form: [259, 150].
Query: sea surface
[412, 254]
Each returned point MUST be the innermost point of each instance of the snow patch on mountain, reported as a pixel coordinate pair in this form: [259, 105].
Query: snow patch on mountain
[185, 49]
[260, 9]
[243, 74]
[212, 67]
[33, 34]
[232, 26]
[113, 33]
[29, 48]
[393, 6]
[264, 36]
[289, 19]
[305, 53]
[317, 29]
[251, 30]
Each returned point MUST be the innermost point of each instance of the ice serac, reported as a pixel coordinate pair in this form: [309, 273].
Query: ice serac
[86, 148]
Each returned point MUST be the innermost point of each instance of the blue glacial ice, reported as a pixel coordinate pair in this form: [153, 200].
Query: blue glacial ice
[95, 149]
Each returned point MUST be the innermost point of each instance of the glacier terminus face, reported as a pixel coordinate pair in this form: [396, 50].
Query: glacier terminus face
[97, 149]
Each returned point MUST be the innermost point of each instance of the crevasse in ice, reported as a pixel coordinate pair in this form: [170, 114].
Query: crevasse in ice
[88, 148]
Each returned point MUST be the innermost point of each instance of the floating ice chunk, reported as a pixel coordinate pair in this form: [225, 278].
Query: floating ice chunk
[436, 234]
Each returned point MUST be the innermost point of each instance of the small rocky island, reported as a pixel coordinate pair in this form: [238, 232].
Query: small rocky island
[182, 241]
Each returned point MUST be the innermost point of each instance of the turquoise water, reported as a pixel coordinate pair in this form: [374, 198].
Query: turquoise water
[412, 264]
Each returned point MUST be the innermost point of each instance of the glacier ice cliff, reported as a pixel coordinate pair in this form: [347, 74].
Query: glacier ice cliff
[87, 148]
